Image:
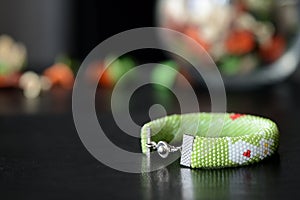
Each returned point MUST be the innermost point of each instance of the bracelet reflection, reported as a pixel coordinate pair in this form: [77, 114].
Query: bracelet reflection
[186, 183]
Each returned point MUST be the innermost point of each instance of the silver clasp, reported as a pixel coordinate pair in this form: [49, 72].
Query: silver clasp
[163, 148]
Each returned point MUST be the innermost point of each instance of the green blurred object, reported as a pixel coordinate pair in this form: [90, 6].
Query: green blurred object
[165, 76]
[3, 68]
[120, 67]
[230, 65]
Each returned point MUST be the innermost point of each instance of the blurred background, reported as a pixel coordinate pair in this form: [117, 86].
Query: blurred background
[255, 44]
[72, 27]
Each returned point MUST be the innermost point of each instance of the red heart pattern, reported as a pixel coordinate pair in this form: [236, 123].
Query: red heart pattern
[235, 116]
[247, 153]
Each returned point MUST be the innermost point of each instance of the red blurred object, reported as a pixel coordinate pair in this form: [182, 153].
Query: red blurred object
[240, 42]
[96, 70]
[106, 79]
[11, 80]
[60, 74]
[273, 50]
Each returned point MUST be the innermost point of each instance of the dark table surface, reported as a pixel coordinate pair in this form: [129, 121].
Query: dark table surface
[42, 157]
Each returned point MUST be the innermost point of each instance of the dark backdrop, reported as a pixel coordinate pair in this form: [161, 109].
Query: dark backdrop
[52, 27]
[98, 20]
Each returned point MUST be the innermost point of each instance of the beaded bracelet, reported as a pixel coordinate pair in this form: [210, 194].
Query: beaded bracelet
[242, 139]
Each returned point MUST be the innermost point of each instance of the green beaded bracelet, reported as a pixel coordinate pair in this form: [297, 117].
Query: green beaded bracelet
[242, 139]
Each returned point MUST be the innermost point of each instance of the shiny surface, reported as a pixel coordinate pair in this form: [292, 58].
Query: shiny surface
[41, 156]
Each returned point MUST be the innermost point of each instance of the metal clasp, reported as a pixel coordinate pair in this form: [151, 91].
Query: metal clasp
[163, 148]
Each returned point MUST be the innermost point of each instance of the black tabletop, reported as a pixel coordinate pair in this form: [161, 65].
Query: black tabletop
[42, 157]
